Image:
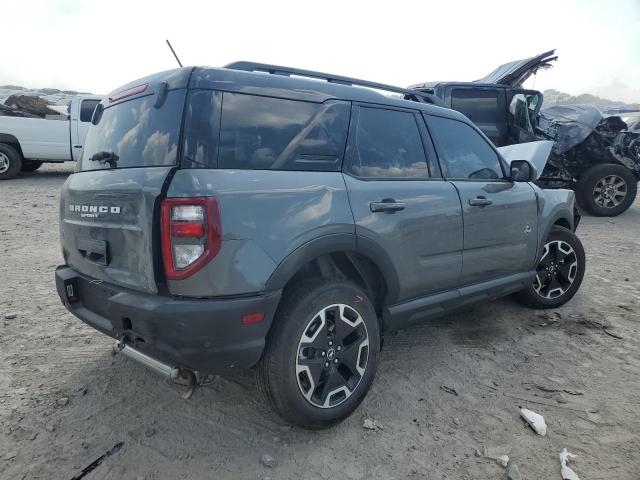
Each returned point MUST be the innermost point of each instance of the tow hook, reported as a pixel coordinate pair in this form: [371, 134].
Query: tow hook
[180, 376]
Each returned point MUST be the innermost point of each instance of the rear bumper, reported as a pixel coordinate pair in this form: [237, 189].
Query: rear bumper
[197, 334]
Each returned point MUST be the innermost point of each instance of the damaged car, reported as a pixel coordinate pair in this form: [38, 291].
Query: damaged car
[596, 156]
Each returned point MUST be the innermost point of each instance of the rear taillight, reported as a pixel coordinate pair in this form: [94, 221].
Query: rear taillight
[191, 234]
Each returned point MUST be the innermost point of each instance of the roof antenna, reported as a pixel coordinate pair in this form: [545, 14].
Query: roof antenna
[174, 53]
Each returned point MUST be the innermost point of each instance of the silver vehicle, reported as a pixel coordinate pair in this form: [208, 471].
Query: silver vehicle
[250, 217]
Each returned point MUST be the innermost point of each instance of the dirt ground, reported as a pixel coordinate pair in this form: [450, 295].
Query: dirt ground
[65, 400]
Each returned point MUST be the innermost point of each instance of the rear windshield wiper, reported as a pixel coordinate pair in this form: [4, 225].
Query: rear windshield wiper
[105, 157]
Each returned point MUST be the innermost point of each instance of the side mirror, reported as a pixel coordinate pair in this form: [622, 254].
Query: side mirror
[522, 171]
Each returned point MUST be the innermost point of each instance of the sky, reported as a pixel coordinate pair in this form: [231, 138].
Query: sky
[96, 46]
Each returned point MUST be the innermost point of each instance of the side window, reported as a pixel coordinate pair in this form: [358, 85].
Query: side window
[86, 109]
[201, 129]
[277, 134]
[464, 152]
[387, 144]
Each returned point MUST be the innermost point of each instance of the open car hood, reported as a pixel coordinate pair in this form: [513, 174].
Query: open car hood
[515, 73]
[536, 153]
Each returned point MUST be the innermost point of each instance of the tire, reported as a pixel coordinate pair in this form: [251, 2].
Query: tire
[308, 381]
[10, 161]
[556, 280]
[31, 165]
[607, 190]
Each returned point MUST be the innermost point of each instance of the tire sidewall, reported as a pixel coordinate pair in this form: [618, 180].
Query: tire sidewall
[284, 340]
[559, 233]
[15, 161]
[593, 176]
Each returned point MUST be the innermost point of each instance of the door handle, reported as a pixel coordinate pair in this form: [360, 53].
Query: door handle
[77, 146]
[480, 202]
[388, 205]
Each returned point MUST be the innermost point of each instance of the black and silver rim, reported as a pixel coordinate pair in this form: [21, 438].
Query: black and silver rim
[332, 356]
[556, 271]
[4, 163]
[610, 191]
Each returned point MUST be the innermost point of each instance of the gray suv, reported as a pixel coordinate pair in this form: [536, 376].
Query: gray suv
[257, 216]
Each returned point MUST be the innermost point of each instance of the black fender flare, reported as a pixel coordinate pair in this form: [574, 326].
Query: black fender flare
[335, 243]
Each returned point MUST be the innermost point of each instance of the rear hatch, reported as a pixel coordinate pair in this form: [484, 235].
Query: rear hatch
[109, 206]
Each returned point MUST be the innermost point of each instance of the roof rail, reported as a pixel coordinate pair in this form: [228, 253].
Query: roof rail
[409, 94]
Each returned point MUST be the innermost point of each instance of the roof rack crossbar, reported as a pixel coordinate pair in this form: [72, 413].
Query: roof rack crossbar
[338, 79]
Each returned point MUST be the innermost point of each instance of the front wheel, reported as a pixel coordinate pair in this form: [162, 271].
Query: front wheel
[321, 354]
[559, 272]
[607, 190]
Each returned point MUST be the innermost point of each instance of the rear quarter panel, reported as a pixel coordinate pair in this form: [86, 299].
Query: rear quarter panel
[265, 215]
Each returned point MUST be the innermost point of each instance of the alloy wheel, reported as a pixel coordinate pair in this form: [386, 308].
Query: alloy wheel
[556, 271]
[4, 163]
[610, 191]
[332, 356]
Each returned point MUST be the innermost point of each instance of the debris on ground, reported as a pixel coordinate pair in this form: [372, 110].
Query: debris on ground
[79, 391]
[10, 316]
[612, 333]
[62, 401]
[371, 424]
[503, 460]
[512, 472]
[565, 471]
[93, 465]
[448, 389]
[268, 461]
[535, 421]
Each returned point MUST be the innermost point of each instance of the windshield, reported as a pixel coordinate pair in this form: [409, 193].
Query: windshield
[135, 134]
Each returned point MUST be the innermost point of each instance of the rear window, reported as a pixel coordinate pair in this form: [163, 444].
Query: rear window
[480, 106]
[135, 134]
[263, 133]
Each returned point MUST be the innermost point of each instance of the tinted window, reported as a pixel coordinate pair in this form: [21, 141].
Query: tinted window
[136, 133]
[481, 106]
[86, 109]
[387, 144]
[464, 152]
[270, 133]
[201, 129]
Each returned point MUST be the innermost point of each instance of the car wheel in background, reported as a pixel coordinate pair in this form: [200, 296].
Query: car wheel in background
[321, 354]
[607, 190]
[10, 161]
[559, 272]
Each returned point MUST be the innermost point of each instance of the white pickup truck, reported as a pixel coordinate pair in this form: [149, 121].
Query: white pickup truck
[28, 141]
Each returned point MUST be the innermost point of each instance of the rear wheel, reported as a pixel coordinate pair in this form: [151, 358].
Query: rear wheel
[31, 165]
[10, 162]
[607, 190]
[321, 354]
[559, 272]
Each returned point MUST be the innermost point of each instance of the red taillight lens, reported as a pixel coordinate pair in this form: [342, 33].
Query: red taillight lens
[191, 234]
[128, 93]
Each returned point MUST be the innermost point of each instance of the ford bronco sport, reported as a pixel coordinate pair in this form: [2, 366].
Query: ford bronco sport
[249, 217]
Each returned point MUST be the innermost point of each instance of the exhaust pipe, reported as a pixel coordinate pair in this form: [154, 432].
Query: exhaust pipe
[167, 371]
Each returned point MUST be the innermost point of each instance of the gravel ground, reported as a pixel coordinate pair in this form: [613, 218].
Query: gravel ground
[65, 400]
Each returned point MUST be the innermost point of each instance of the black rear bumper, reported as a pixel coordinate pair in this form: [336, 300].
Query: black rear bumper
[198, 334]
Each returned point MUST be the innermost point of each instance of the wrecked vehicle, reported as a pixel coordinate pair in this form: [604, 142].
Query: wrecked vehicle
[597, 157]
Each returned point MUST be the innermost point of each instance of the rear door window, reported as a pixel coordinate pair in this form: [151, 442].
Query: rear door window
[463, 152]
[387, 144]
[135, 133]
[276, 134]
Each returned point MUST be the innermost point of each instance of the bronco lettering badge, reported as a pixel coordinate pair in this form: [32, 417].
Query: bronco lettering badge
[92, 211]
